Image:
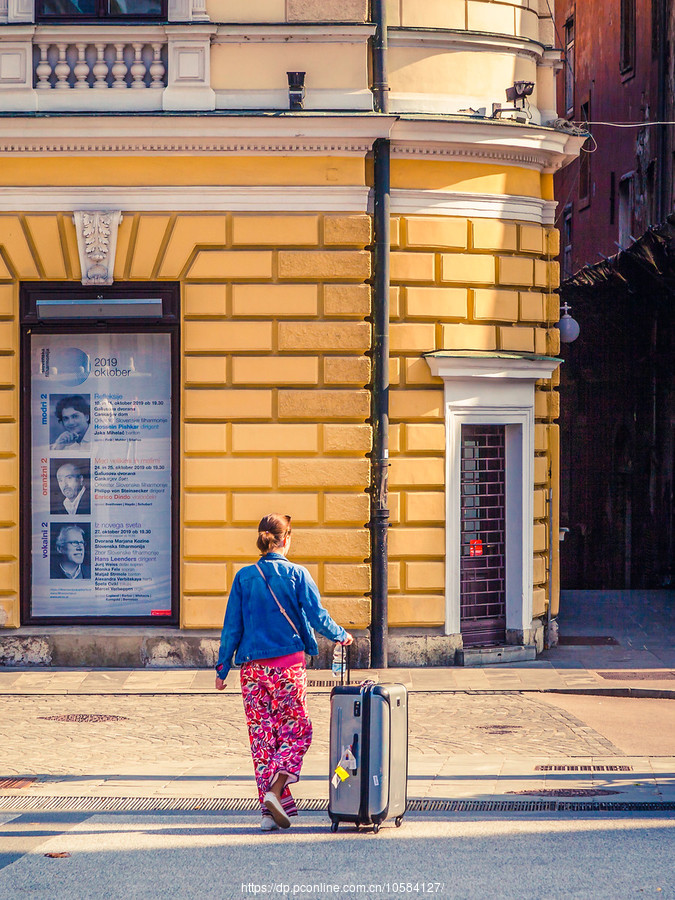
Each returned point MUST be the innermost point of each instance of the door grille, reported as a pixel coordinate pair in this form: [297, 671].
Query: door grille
[483, 535]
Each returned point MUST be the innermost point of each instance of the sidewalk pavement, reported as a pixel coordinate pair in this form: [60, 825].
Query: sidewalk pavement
[476, 737]
[500, 734]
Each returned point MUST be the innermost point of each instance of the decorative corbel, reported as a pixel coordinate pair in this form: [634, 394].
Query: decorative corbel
[96, 243]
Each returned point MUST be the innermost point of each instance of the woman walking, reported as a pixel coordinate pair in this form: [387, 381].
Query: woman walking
[272, 608]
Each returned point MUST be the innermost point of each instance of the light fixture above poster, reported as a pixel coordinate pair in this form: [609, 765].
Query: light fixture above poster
[99, 308]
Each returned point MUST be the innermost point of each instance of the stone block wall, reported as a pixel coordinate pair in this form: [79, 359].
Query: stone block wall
[276, 405]
[460, 284]
[275, 402]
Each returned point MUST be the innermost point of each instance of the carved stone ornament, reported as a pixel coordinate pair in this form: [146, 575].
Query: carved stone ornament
[96, 242]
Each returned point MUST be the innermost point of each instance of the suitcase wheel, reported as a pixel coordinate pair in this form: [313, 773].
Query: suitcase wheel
[333, 827]
[398, 821]
[376, 827]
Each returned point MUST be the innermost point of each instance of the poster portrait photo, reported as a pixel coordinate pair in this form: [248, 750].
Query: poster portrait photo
[69, 423]
[70, 487]
[70, 551]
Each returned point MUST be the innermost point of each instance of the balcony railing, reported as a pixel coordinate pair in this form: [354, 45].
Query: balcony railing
[86, 65]
[125, 68]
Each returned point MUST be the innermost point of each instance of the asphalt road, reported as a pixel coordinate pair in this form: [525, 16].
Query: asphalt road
[225, 857]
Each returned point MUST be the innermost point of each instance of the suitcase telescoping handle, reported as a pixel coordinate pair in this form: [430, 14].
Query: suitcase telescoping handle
[348, 666]
[355, 751]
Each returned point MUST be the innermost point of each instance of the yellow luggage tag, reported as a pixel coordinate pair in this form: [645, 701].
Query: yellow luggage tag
[347, 761]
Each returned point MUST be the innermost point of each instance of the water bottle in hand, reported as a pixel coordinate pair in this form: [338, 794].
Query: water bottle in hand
[338, 667]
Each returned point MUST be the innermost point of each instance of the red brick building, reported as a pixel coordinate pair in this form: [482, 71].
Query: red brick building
[617, 421]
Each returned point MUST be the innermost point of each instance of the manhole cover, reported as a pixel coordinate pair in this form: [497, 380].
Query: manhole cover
[638, 676]
[567, 792]
[15, 783]
[586, 640]
[83, 717]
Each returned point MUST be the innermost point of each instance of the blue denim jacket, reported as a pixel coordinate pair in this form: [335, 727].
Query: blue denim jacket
[254, 626]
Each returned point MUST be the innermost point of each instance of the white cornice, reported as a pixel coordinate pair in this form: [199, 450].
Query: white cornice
[182, 198]
[288, 34]
[449, 365]
[457, 138]
[464, 40]
[193, 135]
[473, 206]
[532, 146]
[272, 198]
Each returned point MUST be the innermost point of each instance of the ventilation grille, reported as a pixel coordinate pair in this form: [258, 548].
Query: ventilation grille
[219, 804]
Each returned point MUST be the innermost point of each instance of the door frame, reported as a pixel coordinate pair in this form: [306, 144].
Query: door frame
[493, 389]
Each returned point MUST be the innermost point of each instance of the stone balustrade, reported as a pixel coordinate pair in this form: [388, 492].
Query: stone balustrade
[71, 68]
[98, 64]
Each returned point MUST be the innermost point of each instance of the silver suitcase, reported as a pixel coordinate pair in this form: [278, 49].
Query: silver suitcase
[369, 736]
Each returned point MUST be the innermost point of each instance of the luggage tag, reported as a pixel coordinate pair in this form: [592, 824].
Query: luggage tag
[346, 765]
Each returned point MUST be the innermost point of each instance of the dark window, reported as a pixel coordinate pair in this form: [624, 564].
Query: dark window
[89, 10]
[567, 243]
[569, 67]
[626, 211]
[627, 60]
[650, 185]
[585, 158]
[612, 197]
[656, 27]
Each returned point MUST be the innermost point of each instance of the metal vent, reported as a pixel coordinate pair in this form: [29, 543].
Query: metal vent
[15, 784]
[84, 717]
[583, 768]
[219, 804]
[568, 792]
[638, 676]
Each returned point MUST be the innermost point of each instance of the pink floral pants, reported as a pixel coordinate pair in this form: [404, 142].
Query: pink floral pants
[279, 727]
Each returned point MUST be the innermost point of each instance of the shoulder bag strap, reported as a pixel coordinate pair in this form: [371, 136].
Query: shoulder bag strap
[281, 609]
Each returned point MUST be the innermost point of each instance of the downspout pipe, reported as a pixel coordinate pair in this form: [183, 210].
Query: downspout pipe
[379, 510]
[380, 46]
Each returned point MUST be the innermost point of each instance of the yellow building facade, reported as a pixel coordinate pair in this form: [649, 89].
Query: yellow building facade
[176, 127]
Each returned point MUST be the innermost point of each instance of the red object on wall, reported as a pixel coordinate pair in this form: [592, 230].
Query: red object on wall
[476, 548]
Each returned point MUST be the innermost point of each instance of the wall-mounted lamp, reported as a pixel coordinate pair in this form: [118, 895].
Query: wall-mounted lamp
[569, 327]
[296, 90]
[518, 91]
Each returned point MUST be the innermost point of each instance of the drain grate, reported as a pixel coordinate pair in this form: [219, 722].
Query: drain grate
[583, 768]
[586, 640]
[568, 792]
[638, 676]
[15, 784]
[84, 717]
[21, 803]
